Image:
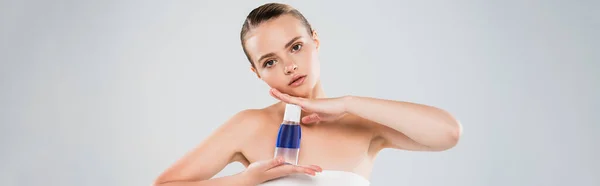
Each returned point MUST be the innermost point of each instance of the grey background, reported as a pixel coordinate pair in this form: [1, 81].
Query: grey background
[112, 92]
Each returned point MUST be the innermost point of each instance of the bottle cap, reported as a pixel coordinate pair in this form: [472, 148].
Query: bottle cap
[292, 113]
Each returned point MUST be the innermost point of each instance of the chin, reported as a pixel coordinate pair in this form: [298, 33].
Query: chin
[297, 92]
[304, 90]
[304, 94]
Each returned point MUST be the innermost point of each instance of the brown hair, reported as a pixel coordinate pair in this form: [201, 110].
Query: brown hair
[267, 12]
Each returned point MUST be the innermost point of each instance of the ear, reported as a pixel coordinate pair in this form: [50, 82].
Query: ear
[315, 37]
[255, 71]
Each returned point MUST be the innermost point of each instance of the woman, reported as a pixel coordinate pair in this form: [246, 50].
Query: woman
[341, 136]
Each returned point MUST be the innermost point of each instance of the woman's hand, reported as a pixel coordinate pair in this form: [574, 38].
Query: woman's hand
[262, 171]
[327, 109]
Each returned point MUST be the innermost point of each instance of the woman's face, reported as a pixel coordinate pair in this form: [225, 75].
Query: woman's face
[285, 55]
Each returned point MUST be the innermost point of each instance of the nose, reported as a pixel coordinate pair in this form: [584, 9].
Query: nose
[290, 68]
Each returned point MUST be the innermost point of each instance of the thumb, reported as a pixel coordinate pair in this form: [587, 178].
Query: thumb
[311, 118]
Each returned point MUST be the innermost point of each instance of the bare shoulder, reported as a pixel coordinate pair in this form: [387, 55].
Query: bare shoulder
[248, 122]
[244, 118]
[243, 122]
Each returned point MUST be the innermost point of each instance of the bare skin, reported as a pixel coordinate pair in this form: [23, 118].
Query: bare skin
[345, 144]
[340, 133]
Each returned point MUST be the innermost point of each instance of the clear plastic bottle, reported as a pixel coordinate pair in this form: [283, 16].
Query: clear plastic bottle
[290, 133]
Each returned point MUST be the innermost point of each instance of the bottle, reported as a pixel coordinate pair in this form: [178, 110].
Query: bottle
[288, 138]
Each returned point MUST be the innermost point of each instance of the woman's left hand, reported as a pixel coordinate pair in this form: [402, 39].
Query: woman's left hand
[326, 109]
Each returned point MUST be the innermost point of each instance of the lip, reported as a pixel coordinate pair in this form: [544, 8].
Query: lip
[297, 80]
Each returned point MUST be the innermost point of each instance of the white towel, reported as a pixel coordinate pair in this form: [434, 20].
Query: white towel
[325, 178]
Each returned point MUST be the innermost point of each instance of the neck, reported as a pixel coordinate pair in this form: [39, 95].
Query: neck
[317, 92]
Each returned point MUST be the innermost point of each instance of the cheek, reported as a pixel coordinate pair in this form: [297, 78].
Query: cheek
[313, 62]
[308, 58]
[273, 79]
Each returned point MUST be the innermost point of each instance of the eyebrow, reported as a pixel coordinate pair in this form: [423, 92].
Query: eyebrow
[288, 44]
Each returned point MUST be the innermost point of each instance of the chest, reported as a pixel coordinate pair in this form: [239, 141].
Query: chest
[340, 146]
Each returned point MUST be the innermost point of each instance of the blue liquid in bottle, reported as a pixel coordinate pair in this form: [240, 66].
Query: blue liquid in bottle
[290, 133]
[289, 136]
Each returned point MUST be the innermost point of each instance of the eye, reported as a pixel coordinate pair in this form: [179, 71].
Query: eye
[269, 63]
[296, 47]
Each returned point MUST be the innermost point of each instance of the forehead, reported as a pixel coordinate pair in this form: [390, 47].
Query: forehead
[272, 35]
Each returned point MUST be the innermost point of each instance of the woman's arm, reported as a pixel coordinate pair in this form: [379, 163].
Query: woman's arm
[223, 147]
[219, 149]
[400, 125]
[236, 179]
[405, 125]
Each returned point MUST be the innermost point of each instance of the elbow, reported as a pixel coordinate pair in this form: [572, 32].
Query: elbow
[450, 138]
[450, 134]
[454, 135]
[158, 182]
[165, 183]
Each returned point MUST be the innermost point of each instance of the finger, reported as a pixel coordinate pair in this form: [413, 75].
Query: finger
[272, 163]
[315, 168]
[273, 94]
[311, 118]
[280, 96]
[288, 169]
[286, 97]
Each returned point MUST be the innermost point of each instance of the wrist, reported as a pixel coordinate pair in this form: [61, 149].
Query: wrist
[245, 179]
